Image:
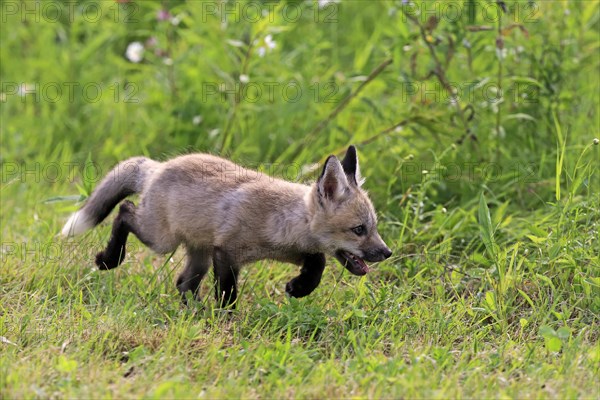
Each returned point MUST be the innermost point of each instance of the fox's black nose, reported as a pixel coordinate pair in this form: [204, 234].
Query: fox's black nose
[377, 254]
[387, 253]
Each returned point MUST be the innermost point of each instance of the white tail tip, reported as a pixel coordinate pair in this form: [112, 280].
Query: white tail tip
[77, 224]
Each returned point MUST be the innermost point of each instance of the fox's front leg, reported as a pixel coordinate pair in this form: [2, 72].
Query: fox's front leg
[197, 264]
[226, 273]
[309, 278]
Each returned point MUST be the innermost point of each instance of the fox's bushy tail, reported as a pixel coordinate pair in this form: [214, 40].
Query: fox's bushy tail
[125, 179]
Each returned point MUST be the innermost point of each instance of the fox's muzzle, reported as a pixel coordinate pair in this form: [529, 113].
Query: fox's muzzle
[378, 254]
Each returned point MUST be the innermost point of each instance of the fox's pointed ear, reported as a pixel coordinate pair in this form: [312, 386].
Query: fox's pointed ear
[332, 183]
[351, 168]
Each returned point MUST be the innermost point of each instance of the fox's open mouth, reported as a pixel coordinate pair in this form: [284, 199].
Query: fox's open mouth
[352, 262]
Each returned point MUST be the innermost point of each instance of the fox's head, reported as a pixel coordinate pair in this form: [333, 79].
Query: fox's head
[344, 220]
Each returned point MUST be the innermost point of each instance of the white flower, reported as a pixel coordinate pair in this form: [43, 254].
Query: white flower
[244, 78]
[270, 42]
[324, 3]
[135, 52]
[168, 61]
[176, 20]
[197, 120]
[501, 53]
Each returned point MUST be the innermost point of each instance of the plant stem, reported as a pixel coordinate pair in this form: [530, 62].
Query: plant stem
[238, 96]
[499, 108]
[321, 125]
[441, 75]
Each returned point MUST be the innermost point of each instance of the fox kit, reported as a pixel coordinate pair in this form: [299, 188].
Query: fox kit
[231, 216]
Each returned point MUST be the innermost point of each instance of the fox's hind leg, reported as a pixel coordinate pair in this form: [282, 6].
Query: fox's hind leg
[197, 263]
[226, 272]
[309, 278]
[114, 253]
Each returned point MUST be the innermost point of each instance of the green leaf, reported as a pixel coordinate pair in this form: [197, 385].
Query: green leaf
[58, 199]
[537, 231]
[546, 331]
[236, 43]
[553, 344]
[164, 388]
[580, 176]
[536, 239]
[526, 79]
[564, 333]
[527, 298]
[520, 116]
[500, 213]
[137, 353]
[560, 154]
[485, 226]
[523, 322]
[88, 177]
[66, 365]
[347, 315]
[594, 355]
[490, 299]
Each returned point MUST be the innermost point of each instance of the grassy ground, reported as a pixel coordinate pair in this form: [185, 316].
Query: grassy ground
[490, 201]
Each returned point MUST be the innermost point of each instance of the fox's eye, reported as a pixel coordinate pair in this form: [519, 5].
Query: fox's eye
[359, 230]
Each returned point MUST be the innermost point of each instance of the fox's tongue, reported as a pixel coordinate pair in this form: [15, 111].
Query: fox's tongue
[363, 265]
[355, 264]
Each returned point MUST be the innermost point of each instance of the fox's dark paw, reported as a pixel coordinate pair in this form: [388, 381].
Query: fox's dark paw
[109, 261]
[102, 262]
[296, 288]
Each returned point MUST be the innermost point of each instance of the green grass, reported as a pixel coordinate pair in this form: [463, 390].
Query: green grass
[494, 286]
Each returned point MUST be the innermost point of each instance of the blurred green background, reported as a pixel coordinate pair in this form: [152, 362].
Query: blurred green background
[69, 90]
